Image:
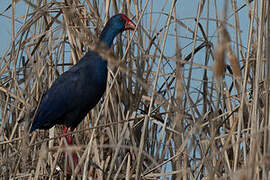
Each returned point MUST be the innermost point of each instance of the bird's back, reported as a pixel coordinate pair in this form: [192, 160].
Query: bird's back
[73, 94]
[78, 90]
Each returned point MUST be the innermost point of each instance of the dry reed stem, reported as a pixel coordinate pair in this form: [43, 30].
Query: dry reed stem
[219, 66]
[162, 116]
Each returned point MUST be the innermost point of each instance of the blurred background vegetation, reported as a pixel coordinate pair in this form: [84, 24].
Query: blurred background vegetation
[187, 94]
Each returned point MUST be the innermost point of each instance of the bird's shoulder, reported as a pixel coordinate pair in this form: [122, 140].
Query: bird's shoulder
[83, 65]
[90, 59]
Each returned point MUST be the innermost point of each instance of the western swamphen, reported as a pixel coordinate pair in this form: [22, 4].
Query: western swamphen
[78, 90]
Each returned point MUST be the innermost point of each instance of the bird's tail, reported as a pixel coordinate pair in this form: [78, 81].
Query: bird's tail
[32, 113]
[27, 118]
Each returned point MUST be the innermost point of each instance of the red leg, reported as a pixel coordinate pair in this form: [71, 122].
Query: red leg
[69, 142]
[68, 137]
[74, 155]
[65, 130]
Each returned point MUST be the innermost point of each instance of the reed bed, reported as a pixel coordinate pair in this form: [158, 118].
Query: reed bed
[187, 96]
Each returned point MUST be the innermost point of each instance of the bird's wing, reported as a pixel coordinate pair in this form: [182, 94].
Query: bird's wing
[73, 93]
[58, 100]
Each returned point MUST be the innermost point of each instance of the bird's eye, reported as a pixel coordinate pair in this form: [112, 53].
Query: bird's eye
[122, 20]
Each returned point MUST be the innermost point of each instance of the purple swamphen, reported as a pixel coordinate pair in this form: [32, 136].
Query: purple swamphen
[74, 93]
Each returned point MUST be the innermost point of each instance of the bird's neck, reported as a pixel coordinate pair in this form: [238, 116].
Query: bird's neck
[107, 35]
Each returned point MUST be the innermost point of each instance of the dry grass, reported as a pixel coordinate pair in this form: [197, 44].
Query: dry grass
[163, 114]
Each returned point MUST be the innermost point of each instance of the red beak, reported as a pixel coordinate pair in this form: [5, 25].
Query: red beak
[130, 25]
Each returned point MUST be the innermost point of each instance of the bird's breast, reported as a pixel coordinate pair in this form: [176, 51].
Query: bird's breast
[100, 72]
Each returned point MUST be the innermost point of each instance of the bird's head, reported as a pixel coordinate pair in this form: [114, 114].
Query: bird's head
[115, 25]
[121, 23]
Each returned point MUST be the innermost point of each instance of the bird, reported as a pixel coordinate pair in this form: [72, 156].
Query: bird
[75, 92]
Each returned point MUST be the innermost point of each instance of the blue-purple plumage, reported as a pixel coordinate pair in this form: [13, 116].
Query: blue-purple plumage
[78, 90]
